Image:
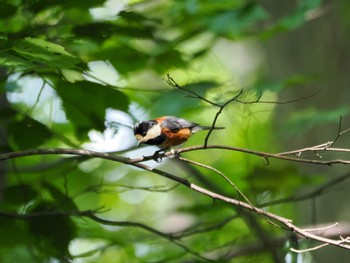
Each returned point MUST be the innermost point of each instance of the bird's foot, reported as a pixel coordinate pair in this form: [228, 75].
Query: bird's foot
[157, 156]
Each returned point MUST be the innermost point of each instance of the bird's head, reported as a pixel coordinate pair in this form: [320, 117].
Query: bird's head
[146, 130]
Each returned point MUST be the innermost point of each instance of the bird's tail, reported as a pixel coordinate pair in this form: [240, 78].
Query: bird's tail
[203, 128]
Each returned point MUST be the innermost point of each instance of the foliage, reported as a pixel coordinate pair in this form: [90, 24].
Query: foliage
[54, 43]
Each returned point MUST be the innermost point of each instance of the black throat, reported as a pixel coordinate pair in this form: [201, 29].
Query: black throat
[157, 140]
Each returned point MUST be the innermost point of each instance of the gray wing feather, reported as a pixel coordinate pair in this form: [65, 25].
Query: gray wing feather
[175, 124]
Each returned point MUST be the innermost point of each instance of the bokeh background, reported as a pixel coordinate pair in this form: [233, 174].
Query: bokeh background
[79, 74]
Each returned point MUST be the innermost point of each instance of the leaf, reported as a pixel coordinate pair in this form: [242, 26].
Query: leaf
[120, 56]
[45, 53]
[167, 59]
[14, 61]
[7, 9]
[60, 197]
[85, 104]
[27, 133]
[19, 195]
[103, 30]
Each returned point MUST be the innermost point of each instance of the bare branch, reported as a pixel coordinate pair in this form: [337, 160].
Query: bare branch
[266, 155]
[172, 83]
[309, 249]
[221, 108]
[284, 222]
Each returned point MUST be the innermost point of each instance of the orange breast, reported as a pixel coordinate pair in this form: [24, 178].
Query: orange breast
[175, 138]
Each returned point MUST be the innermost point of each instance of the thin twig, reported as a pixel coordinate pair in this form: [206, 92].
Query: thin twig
[227, 180]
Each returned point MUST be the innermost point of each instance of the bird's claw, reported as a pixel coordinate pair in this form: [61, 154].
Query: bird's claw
[156, 157]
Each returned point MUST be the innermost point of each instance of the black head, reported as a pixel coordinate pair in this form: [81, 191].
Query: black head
[141, 128]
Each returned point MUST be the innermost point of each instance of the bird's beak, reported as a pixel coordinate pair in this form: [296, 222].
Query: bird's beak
[139, 140]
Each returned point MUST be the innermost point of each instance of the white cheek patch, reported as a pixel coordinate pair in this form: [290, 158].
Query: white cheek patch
[152, 133]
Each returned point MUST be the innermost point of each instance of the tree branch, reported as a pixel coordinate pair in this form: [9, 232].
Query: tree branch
[284, 222]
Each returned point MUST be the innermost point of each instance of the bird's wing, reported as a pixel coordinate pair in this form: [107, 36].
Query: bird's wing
[175, 124]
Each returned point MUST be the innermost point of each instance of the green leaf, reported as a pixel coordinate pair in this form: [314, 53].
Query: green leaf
[85, 104]
[103, 30]
[60, 197]
[14, 61]
[45, 53]
[19, 195]
[27, 133]
[167, 59]
[120, 56]
[7, 9]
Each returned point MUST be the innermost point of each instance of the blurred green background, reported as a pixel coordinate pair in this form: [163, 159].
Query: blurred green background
[79, 74]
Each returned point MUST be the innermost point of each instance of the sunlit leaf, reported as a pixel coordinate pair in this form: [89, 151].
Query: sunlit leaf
[45, 53]
[15, 61]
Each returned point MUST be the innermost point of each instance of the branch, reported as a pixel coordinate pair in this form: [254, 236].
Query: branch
[286, 223]
[172, 83]
[191, 94]
[266, 156]
[257, 247]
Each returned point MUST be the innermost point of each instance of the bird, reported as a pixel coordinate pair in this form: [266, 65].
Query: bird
[167, 131]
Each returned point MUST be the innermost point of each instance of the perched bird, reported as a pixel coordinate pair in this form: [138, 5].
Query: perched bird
[166, 131]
